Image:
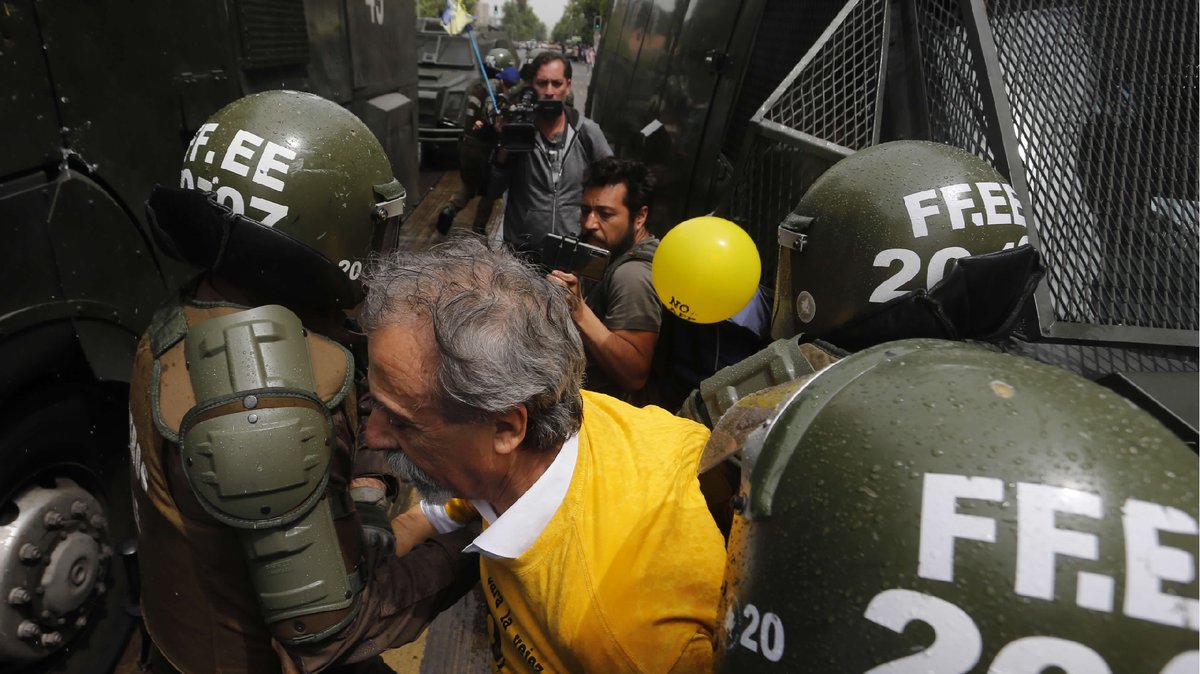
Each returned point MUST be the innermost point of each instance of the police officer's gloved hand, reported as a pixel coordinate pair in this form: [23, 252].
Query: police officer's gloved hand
[372, 506]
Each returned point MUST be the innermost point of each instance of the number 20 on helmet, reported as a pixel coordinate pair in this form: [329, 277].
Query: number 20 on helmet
[883, 222]
[933, 506]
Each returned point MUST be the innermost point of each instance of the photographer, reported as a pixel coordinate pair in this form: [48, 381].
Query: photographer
[621, 317]
[544, 184]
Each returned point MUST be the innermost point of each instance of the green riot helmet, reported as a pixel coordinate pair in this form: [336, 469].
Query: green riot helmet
[282, 192]
[498, 59]
[933, 506]
[882, 223]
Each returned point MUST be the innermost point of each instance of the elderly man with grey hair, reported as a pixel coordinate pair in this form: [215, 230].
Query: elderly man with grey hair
[598, 553]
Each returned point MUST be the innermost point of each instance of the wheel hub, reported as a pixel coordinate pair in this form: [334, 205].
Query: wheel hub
[54, 559]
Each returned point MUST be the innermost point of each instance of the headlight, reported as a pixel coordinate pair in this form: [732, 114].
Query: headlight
[453, 106]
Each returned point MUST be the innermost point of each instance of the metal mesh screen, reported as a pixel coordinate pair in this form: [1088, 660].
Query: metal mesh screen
[769, 187]
[1103, 98]
[952, 87]
[787, 31]
[1104, 103]
[833, 95]
[1093, 361]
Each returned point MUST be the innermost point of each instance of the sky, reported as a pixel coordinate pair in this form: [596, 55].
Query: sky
[549, 11]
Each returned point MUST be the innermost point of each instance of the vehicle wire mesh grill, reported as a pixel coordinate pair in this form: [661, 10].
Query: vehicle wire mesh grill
[952, 86]
[1104, 103]
[832, 95]
[768, 188]
[274, 33]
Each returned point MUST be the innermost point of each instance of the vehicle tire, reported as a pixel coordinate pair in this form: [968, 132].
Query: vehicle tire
[61, 446]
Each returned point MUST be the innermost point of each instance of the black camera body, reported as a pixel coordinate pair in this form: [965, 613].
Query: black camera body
[519, 133]
[566, 253]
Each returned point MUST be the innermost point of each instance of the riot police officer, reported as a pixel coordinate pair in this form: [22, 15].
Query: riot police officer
[931, 505]
[934, 506]
[900, 240]
[243, 413]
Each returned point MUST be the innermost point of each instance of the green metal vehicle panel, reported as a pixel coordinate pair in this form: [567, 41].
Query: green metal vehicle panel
[447, 69]
[675, 83]
[28, 103]
[99, 104]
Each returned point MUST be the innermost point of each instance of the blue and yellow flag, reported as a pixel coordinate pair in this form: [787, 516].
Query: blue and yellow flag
[455, 18]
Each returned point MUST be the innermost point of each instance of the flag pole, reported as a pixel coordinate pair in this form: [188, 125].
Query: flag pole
[483, 71]
[456, 21]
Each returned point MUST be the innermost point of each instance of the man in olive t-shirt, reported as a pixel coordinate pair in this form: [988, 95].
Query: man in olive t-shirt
[621, 316]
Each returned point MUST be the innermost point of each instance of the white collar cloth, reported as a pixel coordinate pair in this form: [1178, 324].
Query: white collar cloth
[511, 534]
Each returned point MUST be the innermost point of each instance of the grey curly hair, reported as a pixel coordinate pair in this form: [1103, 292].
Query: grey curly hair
[504, 333]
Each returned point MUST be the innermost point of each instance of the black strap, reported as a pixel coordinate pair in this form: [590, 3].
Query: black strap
[981, 298]
[575, 121]
[168, 326]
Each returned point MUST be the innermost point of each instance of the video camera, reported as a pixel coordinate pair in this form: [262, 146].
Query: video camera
[518, 133]
[566, 253]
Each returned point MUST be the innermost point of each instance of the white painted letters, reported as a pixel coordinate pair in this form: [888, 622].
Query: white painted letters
[996, 204]
[1148, 563]
[1033, 655]
[1014, 203]
[956, 645]
[237, 148]
[956, 205]
[941, 524]
[268, 162]
[992, 195]
[917, 214]
[275, 212]
[1039, 542]
[200, 139]
[232, 198]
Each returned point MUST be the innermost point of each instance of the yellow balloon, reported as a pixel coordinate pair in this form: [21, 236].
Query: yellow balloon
[706, 269]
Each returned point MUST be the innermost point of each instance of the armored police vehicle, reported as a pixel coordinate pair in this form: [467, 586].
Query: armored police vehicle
[99, 104]
[447, 68]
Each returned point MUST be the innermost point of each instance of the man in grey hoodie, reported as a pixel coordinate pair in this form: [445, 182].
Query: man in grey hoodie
[545, 186]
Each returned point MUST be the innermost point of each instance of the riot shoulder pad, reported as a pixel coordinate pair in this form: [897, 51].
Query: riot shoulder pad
[256, 448]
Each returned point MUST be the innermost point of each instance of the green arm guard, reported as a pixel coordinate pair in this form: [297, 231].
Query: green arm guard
[256, 449]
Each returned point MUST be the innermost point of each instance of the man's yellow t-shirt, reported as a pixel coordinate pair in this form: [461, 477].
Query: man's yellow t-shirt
[626, 575]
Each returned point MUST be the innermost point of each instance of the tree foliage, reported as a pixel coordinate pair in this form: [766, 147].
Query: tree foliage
[430, 7]
[578, 21]
[521, 23]
[426, 8]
